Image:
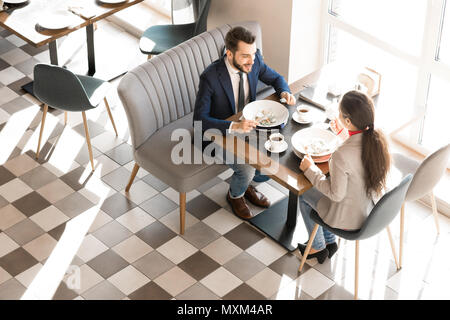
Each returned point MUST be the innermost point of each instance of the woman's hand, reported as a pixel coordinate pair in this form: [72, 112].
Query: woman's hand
[306, 163]
[336, 126]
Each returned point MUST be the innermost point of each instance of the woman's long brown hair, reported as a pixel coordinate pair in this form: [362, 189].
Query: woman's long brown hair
[375, 156]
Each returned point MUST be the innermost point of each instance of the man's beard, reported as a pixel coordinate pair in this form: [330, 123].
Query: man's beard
[239, 66]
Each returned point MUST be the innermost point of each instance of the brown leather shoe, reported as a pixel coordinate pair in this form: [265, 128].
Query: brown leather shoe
[256, 197]
[239, 207]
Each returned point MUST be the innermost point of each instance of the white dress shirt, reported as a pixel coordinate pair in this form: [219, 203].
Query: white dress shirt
[235, 78]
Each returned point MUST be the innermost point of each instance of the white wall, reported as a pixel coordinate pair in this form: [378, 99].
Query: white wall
[291, 31]
[274, 17]
[306, 48]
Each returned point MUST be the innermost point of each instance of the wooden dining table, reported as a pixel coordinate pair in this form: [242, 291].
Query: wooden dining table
[280, 220]
[22, 20]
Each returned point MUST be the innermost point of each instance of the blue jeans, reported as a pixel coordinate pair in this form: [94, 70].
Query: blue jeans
[308, 202]
[243, 174]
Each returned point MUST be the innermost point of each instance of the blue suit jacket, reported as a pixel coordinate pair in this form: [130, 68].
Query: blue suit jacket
[215, 98]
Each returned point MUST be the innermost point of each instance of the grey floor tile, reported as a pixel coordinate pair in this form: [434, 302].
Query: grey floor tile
[153, 264]
[73, 205]
[112, 233]
[118, 179]
[94, 129]
[156, 234]
[244, 266]
[155, 182]
[117, 204]
[107, 263]
[197, 292]
[38, 177]
[31, 203]
[24, 231]
[73, 178]
[121, 154]
[158, 206]
[103, 291]
[243, 292]
[287, 265]
[201, 207]
[198, 265]
[200, 235]
[5, 175]
[150, 291]
[64, 293]
[17, 261]
[11, 290]
[244, 236]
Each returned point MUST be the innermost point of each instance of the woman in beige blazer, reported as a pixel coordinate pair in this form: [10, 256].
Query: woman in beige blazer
[358, 170]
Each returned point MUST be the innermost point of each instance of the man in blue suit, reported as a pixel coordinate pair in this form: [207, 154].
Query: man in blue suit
[226, 86]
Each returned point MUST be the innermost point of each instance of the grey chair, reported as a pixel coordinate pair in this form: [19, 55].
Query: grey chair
[61, 89]
[379, 218]
[160, 38]
[426, 175]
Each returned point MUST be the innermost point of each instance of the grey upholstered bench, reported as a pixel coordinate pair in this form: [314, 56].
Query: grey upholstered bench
[159, 97]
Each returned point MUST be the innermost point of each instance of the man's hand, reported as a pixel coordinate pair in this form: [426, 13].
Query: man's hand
[290, 99]
[244, 125]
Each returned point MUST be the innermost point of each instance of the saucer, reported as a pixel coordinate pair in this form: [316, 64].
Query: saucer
[283, 147]
[297, 119]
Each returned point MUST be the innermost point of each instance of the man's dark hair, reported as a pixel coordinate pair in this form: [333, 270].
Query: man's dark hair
[238, 34]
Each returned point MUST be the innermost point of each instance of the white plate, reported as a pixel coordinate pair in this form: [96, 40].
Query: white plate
[304, 135]
[58, 20]
[113, 1]
[268, 147]
[15, 1]
[296, 118]
[280, 112]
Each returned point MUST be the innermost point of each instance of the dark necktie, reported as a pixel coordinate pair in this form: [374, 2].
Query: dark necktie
[241, 96]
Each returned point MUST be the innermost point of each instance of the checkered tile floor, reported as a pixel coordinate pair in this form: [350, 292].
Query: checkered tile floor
[68, 233]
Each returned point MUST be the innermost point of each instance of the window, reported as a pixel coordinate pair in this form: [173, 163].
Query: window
[408, 42]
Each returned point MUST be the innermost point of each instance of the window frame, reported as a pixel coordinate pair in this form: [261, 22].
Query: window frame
[427, 63]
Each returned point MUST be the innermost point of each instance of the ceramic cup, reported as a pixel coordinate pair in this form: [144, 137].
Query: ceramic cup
[304, 113]
[276, 140]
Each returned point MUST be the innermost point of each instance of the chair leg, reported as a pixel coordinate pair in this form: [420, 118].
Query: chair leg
[182, 211]
[356, 268]
[88, 139]
[110, 116]
[402, 229]
[308, 247]
[133, 175]
[435, 212]
[44, 114]
[65, 117]
[392, 246]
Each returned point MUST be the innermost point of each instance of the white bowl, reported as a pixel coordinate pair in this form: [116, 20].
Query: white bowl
[301, 137]
[279, 111]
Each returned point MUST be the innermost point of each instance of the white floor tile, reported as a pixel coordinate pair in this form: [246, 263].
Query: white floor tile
[221, 281]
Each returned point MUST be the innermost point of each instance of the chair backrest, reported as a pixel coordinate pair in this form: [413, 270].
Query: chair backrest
[164, 88]
[428, 173]
[203, 9]
[59, 88]
[385, 210]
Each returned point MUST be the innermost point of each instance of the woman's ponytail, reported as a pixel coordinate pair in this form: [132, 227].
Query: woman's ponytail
[376, 160]
[375, 151]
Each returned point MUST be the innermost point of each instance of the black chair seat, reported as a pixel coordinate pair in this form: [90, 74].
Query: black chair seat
[158, 39]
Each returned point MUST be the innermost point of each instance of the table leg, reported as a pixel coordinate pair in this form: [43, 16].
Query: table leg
[280, 222]
[90, 48]
[53, 50]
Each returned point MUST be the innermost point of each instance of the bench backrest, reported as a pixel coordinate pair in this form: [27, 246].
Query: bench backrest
[164, 88]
